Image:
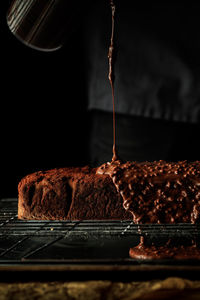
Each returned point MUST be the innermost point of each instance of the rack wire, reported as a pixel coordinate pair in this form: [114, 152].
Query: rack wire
[89, 239]
[53, 250]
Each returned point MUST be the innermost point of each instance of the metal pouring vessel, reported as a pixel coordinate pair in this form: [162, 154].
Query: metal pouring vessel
[43, 25]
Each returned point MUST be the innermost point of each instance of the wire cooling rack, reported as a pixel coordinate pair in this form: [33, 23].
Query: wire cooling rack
[86, 246]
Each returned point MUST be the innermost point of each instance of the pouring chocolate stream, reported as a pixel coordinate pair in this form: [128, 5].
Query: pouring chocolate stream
[111, 78]
[153, 184]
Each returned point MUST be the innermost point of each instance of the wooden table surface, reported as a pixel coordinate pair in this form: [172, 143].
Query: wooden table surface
[170, 288]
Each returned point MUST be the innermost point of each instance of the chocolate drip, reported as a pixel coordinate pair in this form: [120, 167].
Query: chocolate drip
[166, 251]
[111, 78]
[157, 192]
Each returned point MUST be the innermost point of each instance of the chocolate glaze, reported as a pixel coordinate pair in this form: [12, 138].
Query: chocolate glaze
[158, 192]
[155, 192]
[166, 251]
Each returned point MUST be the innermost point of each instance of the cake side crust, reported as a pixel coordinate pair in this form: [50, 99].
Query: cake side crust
[69, 194]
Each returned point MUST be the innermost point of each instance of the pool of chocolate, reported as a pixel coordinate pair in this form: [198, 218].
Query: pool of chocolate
[186, 250]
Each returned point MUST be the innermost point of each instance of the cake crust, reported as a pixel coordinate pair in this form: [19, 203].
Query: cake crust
[69, 194]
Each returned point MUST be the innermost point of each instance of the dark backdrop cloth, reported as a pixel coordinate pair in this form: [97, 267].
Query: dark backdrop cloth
[142, 139]
[157, 65]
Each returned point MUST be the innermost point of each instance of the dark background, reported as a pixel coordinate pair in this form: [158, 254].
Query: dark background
[44, 120]
[44, 123]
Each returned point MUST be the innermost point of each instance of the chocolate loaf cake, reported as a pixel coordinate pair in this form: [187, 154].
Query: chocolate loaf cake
[69, 194]
[149, 192]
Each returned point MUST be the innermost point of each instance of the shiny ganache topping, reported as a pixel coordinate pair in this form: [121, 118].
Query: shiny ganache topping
[157, 192]
[165, 251]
